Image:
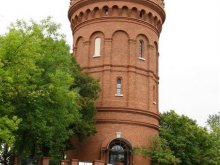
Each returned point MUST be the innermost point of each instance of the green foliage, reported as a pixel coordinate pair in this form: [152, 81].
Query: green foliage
[43, 86]
[8, 127]
[159, 152]
[214, 125]
[189, 142]
[183, 142]
[88, 90]
[214, 122]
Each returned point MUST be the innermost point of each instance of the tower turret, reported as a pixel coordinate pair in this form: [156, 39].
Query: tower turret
[116, 41]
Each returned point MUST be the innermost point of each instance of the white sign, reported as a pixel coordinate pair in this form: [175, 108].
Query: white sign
[85, 163]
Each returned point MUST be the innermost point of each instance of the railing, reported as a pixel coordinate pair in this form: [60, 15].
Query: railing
[159, 2]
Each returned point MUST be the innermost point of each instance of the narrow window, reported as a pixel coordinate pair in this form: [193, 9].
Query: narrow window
[142, 14]
[154, 95]
[106, 11]
[141, 48]
[156, 57]
[118, 87]
[97, 47]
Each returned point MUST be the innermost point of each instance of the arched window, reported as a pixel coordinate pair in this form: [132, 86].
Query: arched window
[141, 48]
[119, 152]
[118, 87]
[97, 47]
[142, 13]
[106, 12]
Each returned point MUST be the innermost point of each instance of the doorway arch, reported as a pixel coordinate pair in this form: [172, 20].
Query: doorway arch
[119, 152]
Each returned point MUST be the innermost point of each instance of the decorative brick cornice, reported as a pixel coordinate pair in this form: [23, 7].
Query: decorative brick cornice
[144, 124]
[79, 16]
[158, 2]
[116, 19]
[108, 39]
[128, 110]
[132, 41]
[87, 42]
[111, 67]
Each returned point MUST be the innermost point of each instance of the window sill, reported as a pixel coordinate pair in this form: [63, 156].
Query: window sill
[121, 95]
[141, 58]
[96, 56]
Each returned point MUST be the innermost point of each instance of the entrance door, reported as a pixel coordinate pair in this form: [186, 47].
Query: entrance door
[119, 152]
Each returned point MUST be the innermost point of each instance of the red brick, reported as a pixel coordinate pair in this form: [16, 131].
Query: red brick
[135, 114]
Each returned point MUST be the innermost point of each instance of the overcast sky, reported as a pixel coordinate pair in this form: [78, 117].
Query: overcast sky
[189, 50]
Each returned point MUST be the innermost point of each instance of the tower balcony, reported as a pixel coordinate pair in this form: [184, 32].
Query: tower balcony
[148, 11]
[158, 2]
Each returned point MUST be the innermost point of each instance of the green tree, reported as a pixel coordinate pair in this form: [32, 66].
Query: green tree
[159, 152]
[192, 144]
[7, 137]
[41, 85]
[214, 125]
[88, 90]
[214, 122]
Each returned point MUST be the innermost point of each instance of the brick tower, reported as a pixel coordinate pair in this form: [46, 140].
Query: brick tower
[116, 41]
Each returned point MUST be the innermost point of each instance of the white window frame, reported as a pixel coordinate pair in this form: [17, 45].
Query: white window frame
[119, 87]
[141, 50]
[97, 47]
